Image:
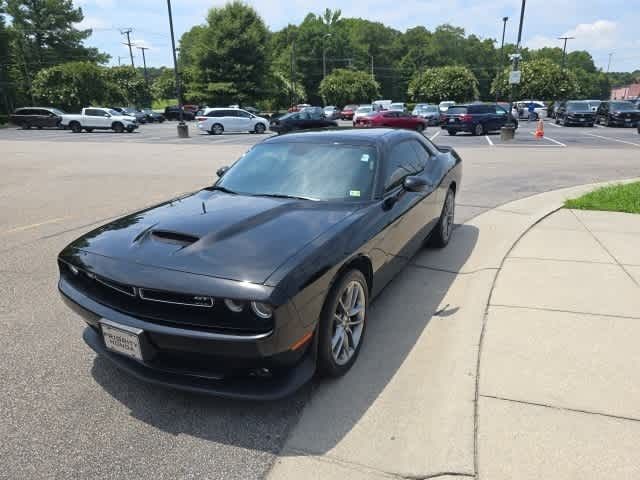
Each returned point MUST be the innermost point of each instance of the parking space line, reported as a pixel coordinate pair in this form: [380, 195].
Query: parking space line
[435, 135]
[554, 125]
[554, 141]
[612, 139]
[489, 140]
[34, 225]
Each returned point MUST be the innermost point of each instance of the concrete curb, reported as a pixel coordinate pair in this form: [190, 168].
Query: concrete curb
[408, 408]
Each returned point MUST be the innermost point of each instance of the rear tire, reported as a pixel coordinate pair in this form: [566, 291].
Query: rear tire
[342, 324]
[452, 132]
[75, 127]
[88, 130]
[478, 129]
[441, 233]
[420, 128]
[217, 129]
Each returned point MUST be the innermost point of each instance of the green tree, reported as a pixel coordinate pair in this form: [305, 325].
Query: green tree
[345, 86]
[443, 83]
[125, 86]
[164, 86]
[542, 79]
[7, 87]
[71, 86]
[225, 60]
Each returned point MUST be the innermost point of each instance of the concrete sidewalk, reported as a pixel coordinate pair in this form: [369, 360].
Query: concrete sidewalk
[559, 383]
[454, 378]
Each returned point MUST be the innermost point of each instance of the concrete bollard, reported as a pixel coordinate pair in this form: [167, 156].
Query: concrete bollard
[183, 130]
[507, 132]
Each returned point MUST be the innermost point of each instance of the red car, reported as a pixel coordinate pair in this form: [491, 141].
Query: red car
[394, 119]
[348, 111]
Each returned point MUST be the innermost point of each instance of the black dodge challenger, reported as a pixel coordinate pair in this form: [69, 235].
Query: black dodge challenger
[246, 288]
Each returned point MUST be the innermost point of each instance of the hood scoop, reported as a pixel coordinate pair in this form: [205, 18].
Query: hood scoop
[175, 238]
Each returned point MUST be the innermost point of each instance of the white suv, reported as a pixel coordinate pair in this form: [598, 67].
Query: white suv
[216, 121]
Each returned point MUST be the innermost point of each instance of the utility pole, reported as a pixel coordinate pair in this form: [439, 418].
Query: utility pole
[119, 63]
[564, 49]
[127, 32]
[324, 55]
[183, 128]
[516, 58]
[293, 72]
[504, 29]
[609, 64]
[144, 62]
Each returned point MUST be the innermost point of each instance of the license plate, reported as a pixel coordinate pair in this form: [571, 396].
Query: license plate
[122, 339]
[627, 120]
[452, 120]
[582, 119]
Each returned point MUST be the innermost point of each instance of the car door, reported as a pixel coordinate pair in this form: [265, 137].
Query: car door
[501, 117]
[244, 123]
[405, 214]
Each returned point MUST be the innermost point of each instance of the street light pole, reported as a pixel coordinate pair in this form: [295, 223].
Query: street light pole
[183, 129]
[504, 29]
[324, 55]
[509, 130]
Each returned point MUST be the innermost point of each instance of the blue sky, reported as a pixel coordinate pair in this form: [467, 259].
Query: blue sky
[600, 26]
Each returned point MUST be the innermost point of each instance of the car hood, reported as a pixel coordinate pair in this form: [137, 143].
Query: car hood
[236, 237]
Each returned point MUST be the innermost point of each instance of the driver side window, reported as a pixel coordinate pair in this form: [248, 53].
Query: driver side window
[403, 161]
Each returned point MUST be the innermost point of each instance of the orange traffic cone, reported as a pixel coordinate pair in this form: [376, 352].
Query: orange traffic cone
[540, 129]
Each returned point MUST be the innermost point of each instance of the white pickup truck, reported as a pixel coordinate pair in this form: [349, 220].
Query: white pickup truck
[96, 118]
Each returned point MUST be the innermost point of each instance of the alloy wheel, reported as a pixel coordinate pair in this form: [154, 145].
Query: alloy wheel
[448, 216]
[348, 322]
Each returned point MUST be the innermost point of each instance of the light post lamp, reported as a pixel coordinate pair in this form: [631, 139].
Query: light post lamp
[183, 128]
[324, 55]
[504, 29]
[508, 131]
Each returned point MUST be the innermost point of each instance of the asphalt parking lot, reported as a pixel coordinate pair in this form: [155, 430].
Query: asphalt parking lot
[65, 413]
[556, 136]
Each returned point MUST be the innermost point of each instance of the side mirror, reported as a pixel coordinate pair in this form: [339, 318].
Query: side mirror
[221, 171]
[416, 184]
[106, 115]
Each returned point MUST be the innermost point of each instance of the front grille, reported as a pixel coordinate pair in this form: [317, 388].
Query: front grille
[167, 308]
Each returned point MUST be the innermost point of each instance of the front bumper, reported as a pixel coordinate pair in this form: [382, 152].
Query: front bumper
[223, 365]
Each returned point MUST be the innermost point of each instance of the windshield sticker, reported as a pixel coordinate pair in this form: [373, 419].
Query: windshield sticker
[364, 158]
[354, 193]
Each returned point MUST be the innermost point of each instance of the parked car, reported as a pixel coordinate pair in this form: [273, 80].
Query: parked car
[594, 104]
[304, 120]
[477, 119]
[299, 107]
[444, 106]
[173, 113]
[331, 112]
[348, 112]
[247, 288]
[39, 117]
[362, 111]
[153, 116]
[139, 115]
[575, 113]
[617, 113]
[216, 121]
[540, 109]
[398, 107]
[431, 113]
[379, 105]
[553, 108]
[393, 119]
[98, 118]
[314, 111]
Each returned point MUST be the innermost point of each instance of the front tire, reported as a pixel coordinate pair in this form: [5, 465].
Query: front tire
[442, 231]
[75, 127]
[118, 127]
[478, 130]
[259, 128]
[217, 129]
[342, 324]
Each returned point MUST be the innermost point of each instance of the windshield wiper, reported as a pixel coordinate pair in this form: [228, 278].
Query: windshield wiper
[281, 195]
[223, 189]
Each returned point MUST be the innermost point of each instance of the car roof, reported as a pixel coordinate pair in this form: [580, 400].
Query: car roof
[368, 136]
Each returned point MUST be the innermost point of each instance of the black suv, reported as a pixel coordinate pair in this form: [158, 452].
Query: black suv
[38, 117]
[618, 112]
[574, 112]
[477, 118]
[173, 113]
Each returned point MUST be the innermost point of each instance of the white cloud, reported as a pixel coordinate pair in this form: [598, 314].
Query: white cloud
[599, 35]
[92, 22]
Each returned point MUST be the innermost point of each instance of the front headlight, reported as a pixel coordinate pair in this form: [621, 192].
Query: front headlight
[261, 309]
[234, 306]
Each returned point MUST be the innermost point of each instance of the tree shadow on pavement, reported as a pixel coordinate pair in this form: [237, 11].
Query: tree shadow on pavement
[397, 319]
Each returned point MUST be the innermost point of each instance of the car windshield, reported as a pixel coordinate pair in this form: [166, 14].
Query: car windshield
[622, 106]
[578, 107]
[114, 112]
[364, 109]
[307, 170]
